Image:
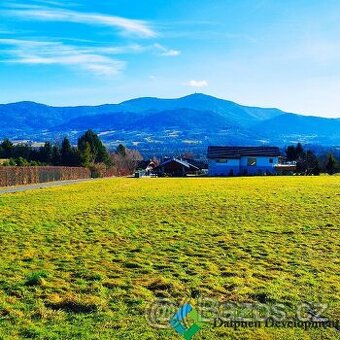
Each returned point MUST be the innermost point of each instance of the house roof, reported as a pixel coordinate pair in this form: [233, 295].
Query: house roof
[201, 164]
[179, 161]
[239, 151]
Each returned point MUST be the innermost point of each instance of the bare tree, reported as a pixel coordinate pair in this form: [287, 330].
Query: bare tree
[126, 160]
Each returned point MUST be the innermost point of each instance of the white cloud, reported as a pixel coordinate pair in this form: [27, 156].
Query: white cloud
[166, 52]
[171, 53]
[127, 49]
[127, 26]
[99, 60]
[197, 83]
[55, 53]
[48, 2]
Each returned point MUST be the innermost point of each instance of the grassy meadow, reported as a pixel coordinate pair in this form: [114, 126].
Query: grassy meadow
[85, 261]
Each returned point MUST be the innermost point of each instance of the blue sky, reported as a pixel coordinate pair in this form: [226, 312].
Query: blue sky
[267, 53]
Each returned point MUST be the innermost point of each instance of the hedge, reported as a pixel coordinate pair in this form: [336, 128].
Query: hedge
[20, 175]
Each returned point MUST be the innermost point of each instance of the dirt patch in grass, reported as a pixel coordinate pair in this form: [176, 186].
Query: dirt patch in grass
[72, 304]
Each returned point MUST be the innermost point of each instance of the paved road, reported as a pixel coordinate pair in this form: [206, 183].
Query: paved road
[40, 186]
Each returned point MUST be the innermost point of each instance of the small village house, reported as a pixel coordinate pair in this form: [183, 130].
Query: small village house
[175, 167]
[240, 160]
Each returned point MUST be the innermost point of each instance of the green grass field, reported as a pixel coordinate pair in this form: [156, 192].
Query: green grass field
[85, 261]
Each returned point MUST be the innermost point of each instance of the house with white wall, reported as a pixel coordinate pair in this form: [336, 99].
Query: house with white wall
[240, 160]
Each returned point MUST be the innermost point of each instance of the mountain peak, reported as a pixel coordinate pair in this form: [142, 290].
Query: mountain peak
[199, 95]
[205, 99]
[26, 103]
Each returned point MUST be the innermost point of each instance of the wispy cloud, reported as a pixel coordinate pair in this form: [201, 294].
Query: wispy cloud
[44, 13]
[99, 60]
[127, 49]
[55, 53]
[166, 52]
[199, 84]
[50, 2]
[95, 57]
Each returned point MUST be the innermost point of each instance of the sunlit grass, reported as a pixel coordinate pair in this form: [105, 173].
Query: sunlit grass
[84, 261]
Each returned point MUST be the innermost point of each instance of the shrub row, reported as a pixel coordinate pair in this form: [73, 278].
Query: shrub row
[101, 170]
[19, 175]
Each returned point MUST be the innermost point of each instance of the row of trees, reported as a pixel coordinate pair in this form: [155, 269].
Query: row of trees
[89, 152]
[308, 163]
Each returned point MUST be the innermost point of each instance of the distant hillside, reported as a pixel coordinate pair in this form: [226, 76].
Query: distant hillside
[292, 123]
[193, 121]
[153, 120]
[200, 102]
[289, 126]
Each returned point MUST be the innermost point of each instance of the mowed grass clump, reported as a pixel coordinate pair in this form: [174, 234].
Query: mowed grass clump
[87, 260]
[36, 279]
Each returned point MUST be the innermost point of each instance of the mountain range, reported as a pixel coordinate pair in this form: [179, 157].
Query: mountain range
[162, 125]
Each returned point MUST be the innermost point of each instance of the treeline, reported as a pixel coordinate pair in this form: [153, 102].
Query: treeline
[89, 152]
[307, 163]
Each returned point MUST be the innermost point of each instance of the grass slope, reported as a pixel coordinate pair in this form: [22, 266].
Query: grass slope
[84, 261]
